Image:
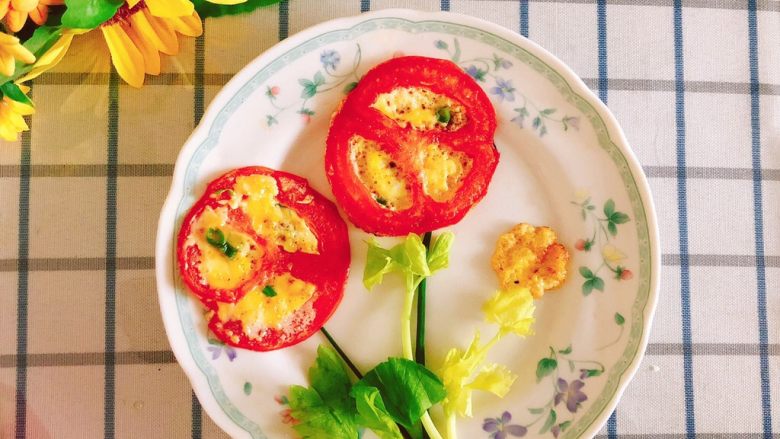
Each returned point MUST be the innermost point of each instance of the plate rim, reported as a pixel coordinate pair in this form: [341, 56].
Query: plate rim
[167, 225]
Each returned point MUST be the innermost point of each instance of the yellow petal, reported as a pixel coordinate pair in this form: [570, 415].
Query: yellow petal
[8, 133]
[127, 59]
[7, 64]
[16, 121]
[15, 20]
[6, 39]
[147, 27]
[4, 4]
[51, 58]
[51, 2]
[39, 14]
[21, 53]
[21, 108]
[190, 26]
[149, 52]
[170, 8]
[24, 5]
[226, 2]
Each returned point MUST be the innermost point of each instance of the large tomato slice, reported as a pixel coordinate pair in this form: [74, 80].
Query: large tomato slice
[411, 148]
[267, 254]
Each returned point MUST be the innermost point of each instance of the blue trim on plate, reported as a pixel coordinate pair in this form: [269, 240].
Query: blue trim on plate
[758, 209]
[682, 206]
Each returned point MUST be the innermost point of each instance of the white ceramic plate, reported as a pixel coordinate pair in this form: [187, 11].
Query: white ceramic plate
[564, 163]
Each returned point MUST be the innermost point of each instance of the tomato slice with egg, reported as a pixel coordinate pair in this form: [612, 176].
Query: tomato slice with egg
[411, 148]
[267, 255]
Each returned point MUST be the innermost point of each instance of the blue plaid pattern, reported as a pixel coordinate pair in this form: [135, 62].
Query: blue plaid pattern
[695, 85]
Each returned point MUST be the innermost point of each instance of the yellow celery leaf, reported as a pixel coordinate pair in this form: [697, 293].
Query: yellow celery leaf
[512, 310]
[495, 378]
[456, 371]
[164, 33]
[170, 8]
[127, 59]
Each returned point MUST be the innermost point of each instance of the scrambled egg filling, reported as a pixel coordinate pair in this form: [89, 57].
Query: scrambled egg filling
[218, 270]
[442, 171]
[279, 224]
[379, 173]
[531, 257]
[256, 310]
[421, 109]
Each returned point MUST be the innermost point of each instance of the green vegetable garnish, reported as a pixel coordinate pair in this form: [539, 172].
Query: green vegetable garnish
[269, 291]
[217, 239]
[444, 115]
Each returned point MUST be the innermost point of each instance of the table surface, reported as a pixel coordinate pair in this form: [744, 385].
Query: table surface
[696, 87]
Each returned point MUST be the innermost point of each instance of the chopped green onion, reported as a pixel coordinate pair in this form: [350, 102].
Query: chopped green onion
[269, 291]
[217, 239]
[444, 115]
[381, 201]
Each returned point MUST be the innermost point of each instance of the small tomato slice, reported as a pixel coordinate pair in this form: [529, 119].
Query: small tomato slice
[279, 273]
[411, 149]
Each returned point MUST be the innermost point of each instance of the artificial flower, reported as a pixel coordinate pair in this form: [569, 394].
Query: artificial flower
[52, 57]
[16, 12]
[12, 116]
[512, 310]
[135, 38]
[166, 8]
[10, 51]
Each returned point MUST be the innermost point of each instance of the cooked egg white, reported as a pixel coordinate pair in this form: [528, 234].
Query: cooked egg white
[379, 173]
[442, 171]
[419, 108]
[218, 270]
[531, 257]
[256, 311]
[275, 222]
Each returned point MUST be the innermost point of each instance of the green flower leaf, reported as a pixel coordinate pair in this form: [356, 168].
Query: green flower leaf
[587, 287]
[408, 389]
[42, 39]
[247, 388]
[13, 91]
[536, 411]
[598, 283]
[592, 372]
[207, 9]
[571, 366]
[551, 418]
[609, 208]
[548, 111]
[545, 367]
[319, 79]
[619, 218]
[612, 228]
[349, 87]
[564, 425]
[586, 273]
[566, 351]
[619, 319]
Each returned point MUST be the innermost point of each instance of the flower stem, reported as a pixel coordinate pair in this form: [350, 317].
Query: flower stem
[343, 355]
[452, 428]
[419, 352]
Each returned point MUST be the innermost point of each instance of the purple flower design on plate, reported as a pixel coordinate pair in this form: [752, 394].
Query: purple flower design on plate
[216, 347]
[571, 121]
[504, 90]
[500, 63]
[570, 392]
[330, 59]
[476, 73]
[500, 428]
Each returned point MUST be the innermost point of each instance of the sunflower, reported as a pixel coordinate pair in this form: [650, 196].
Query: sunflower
[136, 35]
[16, 12]
[10, 51]
[12, 116]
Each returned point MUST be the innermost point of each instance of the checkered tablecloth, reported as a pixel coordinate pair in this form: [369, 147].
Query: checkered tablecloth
[695, 85]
